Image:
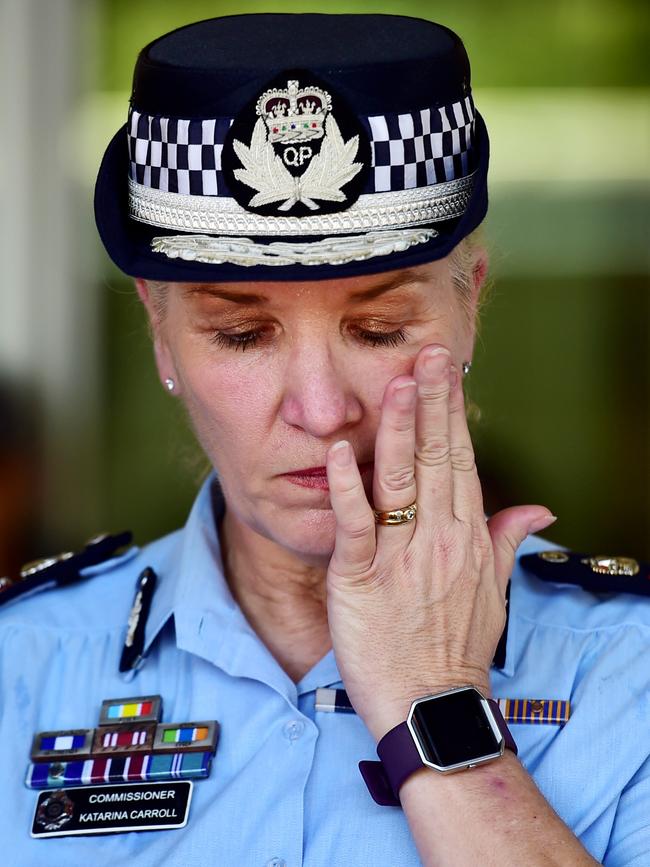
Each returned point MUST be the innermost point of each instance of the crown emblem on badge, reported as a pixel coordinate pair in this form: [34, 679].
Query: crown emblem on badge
[294, 114]
[296, 157]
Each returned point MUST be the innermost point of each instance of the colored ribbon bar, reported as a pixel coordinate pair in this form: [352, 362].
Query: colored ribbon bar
[172, 766]
[333, 701]
[119, 711]
[147, 708]
[62, 746]
[540, 711]
[535, 710]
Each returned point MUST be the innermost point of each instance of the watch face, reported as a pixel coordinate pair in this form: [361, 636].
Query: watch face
[453, 729]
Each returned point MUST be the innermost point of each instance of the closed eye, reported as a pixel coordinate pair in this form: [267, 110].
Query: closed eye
[250, 338]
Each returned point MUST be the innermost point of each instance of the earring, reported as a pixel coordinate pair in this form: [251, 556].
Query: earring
[467, 366]
[170, 385]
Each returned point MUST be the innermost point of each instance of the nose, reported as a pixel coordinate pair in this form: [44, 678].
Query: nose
[319, 398]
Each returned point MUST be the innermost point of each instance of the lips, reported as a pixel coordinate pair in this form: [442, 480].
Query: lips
[310, 471]
[321, 472]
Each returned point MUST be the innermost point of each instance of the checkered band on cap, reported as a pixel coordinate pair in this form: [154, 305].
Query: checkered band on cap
[415, 149]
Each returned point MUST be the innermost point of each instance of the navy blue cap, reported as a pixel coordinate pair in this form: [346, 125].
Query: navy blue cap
[256, 144]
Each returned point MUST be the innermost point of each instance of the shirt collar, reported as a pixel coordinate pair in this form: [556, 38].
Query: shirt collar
[519, 602]
[208, 621]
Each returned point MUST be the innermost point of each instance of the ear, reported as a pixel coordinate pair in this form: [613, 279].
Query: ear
[479, 275]
[478, 278]
[143, 293]
[162, 351]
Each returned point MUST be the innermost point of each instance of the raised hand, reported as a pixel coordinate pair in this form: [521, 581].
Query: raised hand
[419, 607]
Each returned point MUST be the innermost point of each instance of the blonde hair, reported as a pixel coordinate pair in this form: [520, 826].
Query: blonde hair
[462, 262]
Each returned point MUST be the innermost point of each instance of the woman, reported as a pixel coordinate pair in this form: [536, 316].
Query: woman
[300, 219]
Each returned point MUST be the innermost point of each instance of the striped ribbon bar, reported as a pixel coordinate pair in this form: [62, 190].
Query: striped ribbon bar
[124, 739]
[333, 701]
[145, 708]
[185, 735]
[62, 742]
[172, 766]
[119, 711]
[540, 711]
[62, 746]
[536, 711]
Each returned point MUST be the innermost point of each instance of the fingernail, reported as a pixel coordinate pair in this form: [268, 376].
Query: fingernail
[453, 378]
[341, 452]
[436, 360]
[405, 392]
[542, 523]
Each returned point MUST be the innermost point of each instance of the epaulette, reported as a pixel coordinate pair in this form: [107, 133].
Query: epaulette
[63, 568]
[600, 574]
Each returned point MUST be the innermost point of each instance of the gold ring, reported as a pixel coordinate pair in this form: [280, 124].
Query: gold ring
[396, 516]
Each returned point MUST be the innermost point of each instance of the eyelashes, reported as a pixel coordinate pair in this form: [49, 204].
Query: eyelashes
[388, 338]
[250, 338]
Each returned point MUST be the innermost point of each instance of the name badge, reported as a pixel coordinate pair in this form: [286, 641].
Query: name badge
[111, 809]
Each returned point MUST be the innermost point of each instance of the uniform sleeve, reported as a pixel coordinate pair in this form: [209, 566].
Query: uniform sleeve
[629, 843]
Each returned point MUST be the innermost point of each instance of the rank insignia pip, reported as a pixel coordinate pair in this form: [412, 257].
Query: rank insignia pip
[296, 150]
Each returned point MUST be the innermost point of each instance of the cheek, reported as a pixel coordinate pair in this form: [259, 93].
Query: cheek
[228, 399]
[375, 379]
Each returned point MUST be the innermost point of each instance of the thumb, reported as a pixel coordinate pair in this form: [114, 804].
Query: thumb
[508, 529]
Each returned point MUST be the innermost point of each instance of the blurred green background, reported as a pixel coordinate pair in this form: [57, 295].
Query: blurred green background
[561, 373]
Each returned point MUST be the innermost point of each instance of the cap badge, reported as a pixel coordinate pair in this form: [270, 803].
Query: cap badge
[298, 158]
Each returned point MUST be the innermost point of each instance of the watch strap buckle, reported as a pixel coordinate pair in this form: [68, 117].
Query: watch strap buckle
[378, 784]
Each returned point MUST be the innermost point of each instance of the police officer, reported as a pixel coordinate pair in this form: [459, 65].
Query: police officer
[297, 197]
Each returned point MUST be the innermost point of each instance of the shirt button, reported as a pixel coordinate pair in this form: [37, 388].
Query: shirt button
[293, 730]
[276, 862]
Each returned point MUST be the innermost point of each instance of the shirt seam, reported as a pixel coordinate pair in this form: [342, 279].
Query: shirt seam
[585, 631]
[102, 630]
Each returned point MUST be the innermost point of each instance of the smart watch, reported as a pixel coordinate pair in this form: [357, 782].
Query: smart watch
[450, 731]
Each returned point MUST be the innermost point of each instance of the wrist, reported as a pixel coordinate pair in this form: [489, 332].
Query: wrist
[391, 710]
[448, 731]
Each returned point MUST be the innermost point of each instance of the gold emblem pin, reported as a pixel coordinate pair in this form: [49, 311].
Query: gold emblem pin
[624, 566]
[554, 556]
[35, 566]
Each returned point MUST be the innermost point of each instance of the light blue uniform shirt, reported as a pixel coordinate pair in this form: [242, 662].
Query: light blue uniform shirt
[285, 788]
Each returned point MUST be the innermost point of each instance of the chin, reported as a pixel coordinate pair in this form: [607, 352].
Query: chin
[311, 536]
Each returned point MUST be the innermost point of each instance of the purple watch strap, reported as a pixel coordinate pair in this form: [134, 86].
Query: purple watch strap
[400, 758]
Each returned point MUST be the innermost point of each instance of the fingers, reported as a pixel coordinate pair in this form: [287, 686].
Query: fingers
[508, 529]
[355, 544]
[467, 495]
[423, 453]
[394, 476]
[433, 474]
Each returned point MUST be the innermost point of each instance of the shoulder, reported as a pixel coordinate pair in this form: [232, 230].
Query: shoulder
[89, 597]
[580, 591]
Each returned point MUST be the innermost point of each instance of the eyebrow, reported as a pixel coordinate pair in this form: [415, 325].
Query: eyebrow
[398, 280]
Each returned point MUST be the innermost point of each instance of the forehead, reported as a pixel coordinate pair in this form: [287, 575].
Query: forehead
[411, 282]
